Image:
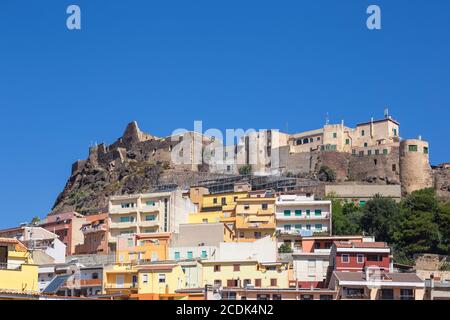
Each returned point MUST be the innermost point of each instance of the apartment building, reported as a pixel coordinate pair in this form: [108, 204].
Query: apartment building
[147, 213]
[216, 207]
[139, 248]
[255, 218]
[373, 285]
[199, 241]
[18, 273]
[277, 294]
[67, 225]
[95, 232]
[298, 215]
[353, 256]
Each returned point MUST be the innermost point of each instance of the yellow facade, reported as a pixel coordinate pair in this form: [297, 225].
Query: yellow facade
[17, 271]
[255, 219]
[216, 207]
[153, 281]
[149, 247]
[240, 273]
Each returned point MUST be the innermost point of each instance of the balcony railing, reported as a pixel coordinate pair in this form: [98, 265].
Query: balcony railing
[303, 217]
[121, 286]
[115, 225]
[90, 229]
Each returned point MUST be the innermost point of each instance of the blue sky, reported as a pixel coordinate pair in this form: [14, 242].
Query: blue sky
[231, 64]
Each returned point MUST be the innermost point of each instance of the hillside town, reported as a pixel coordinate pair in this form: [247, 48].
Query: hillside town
[299, 222]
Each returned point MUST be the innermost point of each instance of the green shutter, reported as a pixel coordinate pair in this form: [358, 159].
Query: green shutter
[318, 212]
[298, 212]
[287, 213]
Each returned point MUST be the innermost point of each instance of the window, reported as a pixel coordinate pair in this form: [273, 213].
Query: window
[235, 199]
[257, 235]
[257, 282]
[232, 283]
[365, 144]
[145, 278]
[150, 218]
[326, 297]
[360, 258]
[369, 152]
[375, 161]
[385, 151]
[95, 275]
[218, 283]
[126, 219]
[264, 206]
[308, 212]
[412, 148]
[162, 278]
[406, 294]
[387, 294]
[362, 203]
[318, 139]
[377, 152]
[394, 167]
[216, 268]
[361, 153]
[246, 207]
[287, 213]
[224, 201]
[276, 297]
[318, 212]
[318, 227]
[363, 133]
[306, 297]
[190, 255]
[262, 297]
[204, 254]
[205, 220]
[287, 227]
[177, 255]
[214, 200]
[236, 267]
[273, 282]
[150, 203]
[395, 131]
[298, 213]
[375, 257]
[345, 258]
[334, 135]
[347, 141]
[425, 150]
[130, 242]
[298, 226]
[308, 227]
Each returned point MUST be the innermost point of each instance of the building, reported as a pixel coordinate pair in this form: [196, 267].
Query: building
[245, 274]
[67, 226]
[43, 245]
[277, 294]
[375, 285]
[361, 193]
[95, 231]
[147, 281]
[17, 271]
[437, 289]
[297, 215]
[147, 213]
[358, 256]
[137, 248]
[199, 241]
[255, 218]
[216, 207]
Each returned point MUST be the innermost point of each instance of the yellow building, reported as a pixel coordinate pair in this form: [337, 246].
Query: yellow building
[151, 281]
[142, 247]
[17, 271]
[216, 207]
[255, 218]
[245, 273]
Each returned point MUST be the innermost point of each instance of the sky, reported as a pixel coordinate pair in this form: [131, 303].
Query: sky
[244, 64]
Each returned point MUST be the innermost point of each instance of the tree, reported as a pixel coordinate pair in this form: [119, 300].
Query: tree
[245, 170]
[285, 248]
[379, 217]
[345, 218]
[35, 220]
[443, 221]
[326, 174]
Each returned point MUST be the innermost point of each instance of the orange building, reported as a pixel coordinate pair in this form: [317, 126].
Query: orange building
[135, 248]
[95, 232]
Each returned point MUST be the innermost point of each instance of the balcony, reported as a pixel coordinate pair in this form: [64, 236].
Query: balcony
[149, 209]
[91, 229]
[150, 223]
[119, 210]
[84, 283]
[122, 225]
[303, 217]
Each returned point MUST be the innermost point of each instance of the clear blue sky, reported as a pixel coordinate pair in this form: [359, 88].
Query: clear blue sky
[232, 64]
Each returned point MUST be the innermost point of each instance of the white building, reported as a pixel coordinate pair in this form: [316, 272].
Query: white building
[300, 215]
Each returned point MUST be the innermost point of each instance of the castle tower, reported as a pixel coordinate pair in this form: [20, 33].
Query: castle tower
[415, 170]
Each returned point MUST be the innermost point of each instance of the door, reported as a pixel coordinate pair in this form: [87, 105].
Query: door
[3, 257]
[120, 280]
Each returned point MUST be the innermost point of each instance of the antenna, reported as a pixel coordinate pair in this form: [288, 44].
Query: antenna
[386, 113]
[327, 119]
